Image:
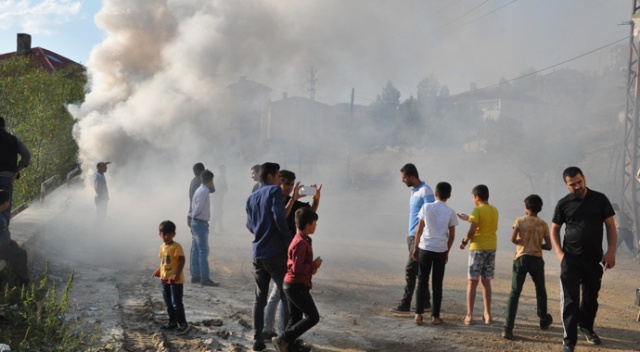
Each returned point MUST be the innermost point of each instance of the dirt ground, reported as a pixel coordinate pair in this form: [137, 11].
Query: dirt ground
[361, 279]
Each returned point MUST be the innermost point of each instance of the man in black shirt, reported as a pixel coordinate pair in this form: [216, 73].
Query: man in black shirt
[582, 261]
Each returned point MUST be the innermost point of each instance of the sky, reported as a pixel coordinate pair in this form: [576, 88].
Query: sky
[364, 44]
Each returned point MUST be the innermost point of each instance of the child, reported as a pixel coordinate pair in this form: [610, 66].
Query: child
[482, 251]
[172, 278]
[297, 284]
[432, 249]
[531, 236]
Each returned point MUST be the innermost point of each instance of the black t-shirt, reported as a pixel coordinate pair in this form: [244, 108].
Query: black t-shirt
[583, 220]
[291, 219]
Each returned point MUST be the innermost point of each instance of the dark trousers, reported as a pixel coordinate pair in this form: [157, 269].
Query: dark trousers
[411, 273]
[6, 183]
[172, 294]
[626, 235]
[534, 266]
[265, 270]
[430, 262]
[300, 302]
[17, 258]
[578, 273]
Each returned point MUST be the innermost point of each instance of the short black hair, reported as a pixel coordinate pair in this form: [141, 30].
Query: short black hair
[167, 226]
[305, 216]
[267, 169]
[533, 203]
[571, 171]
[443, 190]
[198, 168]
[256, 168]
[410, 170]
[206, 176]
[286, 175]
[4, 196]
[482, 191]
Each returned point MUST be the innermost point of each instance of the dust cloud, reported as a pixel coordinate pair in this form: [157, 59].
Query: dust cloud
[161, 98]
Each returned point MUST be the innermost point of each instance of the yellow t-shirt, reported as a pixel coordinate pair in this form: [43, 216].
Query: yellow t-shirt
[532, 232]
[485, 238]
[169, 258]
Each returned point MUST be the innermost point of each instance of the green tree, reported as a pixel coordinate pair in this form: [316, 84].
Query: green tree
[383, 113]
[33, 102]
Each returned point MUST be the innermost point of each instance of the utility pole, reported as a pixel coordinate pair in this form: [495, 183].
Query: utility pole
[353, 93]
[630, 186]
[312, 84]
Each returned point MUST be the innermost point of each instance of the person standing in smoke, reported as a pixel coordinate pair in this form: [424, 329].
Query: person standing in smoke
[582, 260]
[420, 195]
[9, 249]
[102, 191]
[10, 148]
[291, 193]
[624, 225]
[267, 221]
[195, 183]
[255, 170]
[200, 214]
[218, 200]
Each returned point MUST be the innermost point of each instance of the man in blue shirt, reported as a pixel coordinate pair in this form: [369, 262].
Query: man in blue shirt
[420, 195]
[267, 222]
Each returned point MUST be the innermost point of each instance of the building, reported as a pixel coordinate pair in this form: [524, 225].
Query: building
[47, 59]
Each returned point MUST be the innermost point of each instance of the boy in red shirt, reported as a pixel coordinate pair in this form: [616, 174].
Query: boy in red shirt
[297, 283]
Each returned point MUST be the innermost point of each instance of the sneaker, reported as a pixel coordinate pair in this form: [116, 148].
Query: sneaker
[546, 322]
[258, 346]
[300, 346]
[401, 308]
[268, 335]
[280, 345]
[209, 282]
[568, 348]
[507, 333]
[183, 329]
[591, 336]
[195, 280]
[169, 326]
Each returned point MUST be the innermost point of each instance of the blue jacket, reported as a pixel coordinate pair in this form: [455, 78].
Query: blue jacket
[267, 222]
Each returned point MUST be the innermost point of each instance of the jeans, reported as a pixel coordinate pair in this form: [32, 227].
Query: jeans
[6, 183]
[299, 301]
[428, 261]
[264, 270]
[534, 266]
[274, 304]
[411, 272]
[199, 261]
[172, 294]
[577, 273]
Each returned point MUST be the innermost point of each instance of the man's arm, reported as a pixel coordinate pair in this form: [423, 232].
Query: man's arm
[555, 239]
[316, 198]
[612, 238]
[279, 217]
[25, 157]
[197, 206]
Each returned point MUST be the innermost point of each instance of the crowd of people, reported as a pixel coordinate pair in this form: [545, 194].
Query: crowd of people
[583, 212]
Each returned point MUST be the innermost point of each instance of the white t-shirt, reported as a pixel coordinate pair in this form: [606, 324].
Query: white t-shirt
[437, 217]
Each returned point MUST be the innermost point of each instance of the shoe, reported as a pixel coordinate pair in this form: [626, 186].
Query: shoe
[546, 322]
[507, 333]
[209, 282]
[568, 348]
[300, 346]
[183, 329]
[258, 346]
[401, 308]
[195, 280]
[279, 344]
[169, 326]
[268, 335]
[591, 336]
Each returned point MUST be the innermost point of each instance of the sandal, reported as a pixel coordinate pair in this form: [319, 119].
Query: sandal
[436, 321]
[468, 320]
[418, 319]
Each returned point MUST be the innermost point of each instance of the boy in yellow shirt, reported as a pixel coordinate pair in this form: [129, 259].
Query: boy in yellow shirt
[171, 276]
[482, 251]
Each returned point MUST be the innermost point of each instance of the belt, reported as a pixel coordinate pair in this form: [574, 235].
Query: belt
[194, 219]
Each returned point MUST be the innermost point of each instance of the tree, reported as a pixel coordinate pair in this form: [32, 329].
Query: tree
[33, 101]
[383, 112]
